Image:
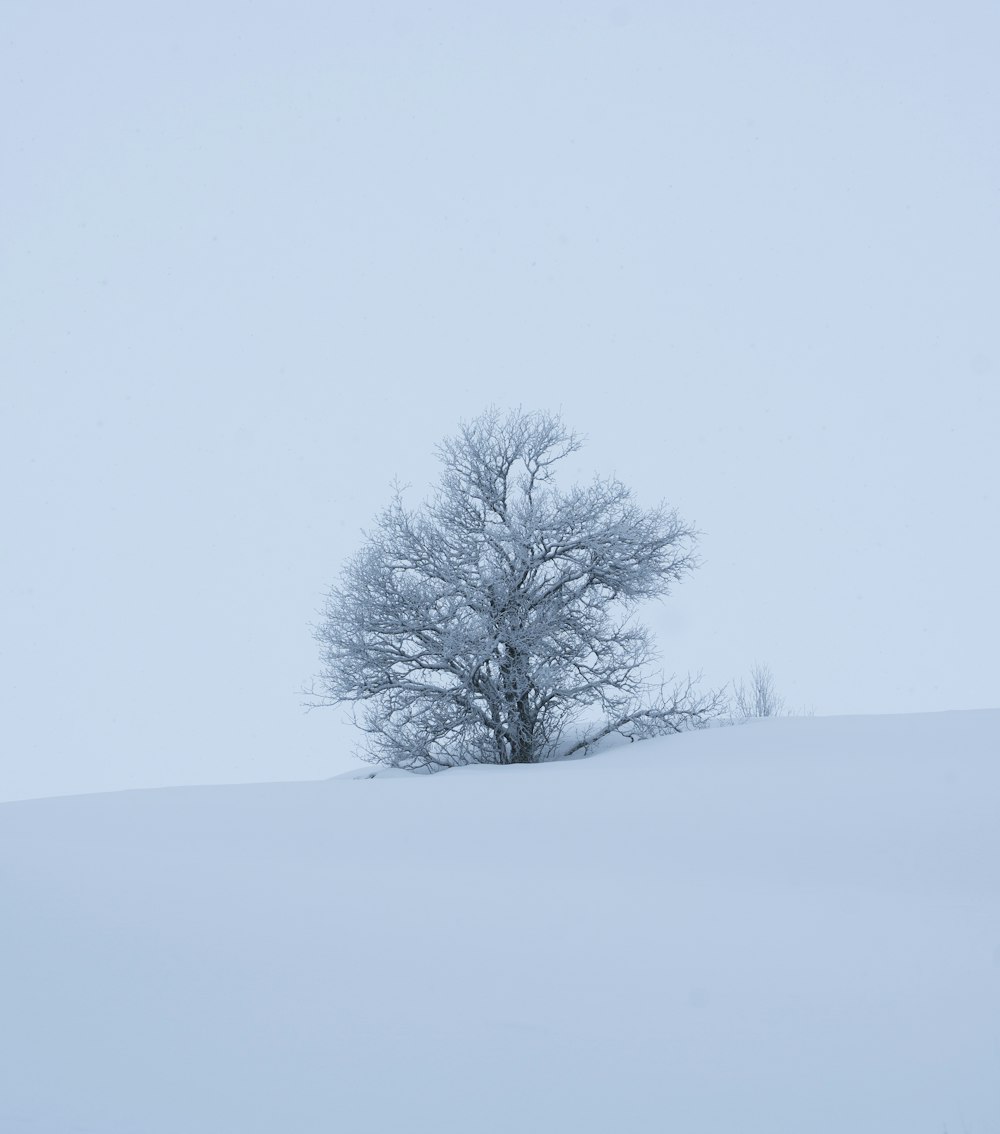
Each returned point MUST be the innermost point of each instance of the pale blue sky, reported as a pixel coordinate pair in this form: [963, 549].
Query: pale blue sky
[256, 258]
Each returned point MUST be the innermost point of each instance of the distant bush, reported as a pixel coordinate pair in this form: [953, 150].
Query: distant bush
[756, 697]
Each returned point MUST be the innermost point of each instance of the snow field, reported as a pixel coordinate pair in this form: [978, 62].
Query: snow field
[785, 926]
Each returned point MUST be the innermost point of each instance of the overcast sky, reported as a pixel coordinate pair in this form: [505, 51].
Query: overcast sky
[257, 258]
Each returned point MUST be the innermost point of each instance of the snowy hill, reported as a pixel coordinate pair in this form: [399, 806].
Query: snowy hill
[792, 925]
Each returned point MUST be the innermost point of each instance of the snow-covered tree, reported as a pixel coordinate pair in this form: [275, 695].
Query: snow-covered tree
[494, 623]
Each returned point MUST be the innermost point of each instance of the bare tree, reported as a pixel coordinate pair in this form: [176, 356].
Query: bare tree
[758, 697]
[495, 621]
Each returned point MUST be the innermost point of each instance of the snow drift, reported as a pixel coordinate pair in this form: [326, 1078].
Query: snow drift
[792, 925]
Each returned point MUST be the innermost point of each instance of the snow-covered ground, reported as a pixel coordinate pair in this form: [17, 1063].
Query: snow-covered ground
[792, 925]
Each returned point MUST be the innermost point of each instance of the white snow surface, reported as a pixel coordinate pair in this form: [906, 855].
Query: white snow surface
[792, 925]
